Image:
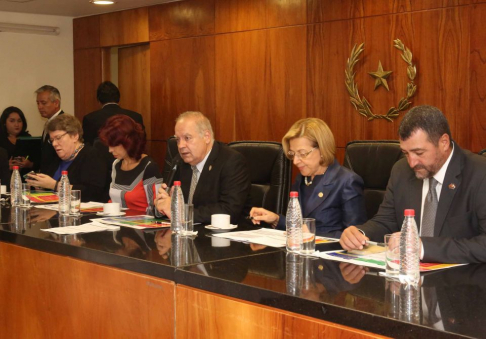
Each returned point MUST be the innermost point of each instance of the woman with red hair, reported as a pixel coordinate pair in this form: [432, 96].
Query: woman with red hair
[135, 176]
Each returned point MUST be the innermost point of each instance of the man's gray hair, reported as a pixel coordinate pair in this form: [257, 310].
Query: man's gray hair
[202, 122]
[53, 92]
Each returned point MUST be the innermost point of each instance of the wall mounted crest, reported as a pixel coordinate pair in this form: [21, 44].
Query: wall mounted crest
[361, 104]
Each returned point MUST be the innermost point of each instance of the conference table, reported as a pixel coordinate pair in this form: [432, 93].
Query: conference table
[154, 284]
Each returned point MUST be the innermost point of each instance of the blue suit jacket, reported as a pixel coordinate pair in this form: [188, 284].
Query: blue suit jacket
[336, 202]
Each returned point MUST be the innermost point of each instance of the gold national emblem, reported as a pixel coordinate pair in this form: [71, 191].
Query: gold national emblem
[361, 104]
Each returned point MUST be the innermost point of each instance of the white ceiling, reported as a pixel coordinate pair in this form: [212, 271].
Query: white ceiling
[71, 8]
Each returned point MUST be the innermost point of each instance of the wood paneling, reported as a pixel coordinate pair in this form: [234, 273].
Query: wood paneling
[134, 81]
[157, 150]
[87, 75]
[243, 15]
[260, 83]
[319, 11]
[182, 79]
[50, 296]
[125, 27]
[206, 315]
[181, 19]
[477, 75]
[86, 32]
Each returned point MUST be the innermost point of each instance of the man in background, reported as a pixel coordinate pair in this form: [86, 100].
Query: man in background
[108, 96]
[49, 106]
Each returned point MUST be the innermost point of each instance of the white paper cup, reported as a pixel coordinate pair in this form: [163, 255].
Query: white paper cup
[220, 220]
[111, 208]
[3, 189]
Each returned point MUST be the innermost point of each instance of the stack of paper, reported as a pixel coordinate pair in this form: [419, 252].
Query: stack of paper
[85, 228]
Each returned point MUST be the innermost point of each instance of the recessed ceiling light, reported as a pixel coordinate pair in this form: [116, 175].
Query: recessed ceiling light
[102, 2]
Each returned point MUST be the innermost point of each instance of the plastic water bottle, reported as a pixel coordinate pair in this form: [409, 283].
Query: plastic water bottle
[409, 250]
[64, 193]
[294, 224]
[177, 209]
[16, 187]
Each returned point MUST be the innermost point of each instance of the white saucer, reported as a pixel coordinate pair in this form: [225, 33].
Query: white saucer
[110, 215]
[220, 230]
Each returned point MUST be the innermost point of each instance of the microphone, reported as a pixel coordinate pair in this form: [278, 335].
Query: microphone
[172, 172]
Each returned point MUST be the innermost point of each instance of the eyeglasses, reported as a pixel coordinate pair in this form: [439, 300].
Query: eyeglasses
[300, 155]
[58, 138]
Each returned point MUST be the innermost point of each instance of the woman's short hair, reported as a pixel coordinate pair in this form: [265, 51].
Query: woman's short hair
[318, 133]
[68, 123]
[6, 113]
[122, 130]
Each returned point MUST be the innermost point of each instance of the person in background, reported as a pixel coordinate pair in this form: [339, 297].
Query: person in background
[328, 192]
[86, 171]
[14, 125]
[108, 96]
[135, 176]
[218, 175]
[49, 106]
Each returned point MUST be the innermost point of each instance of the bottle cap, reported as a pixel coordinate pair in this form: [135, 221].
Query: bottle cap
[294, 194]
[64, 172]
[410, 213]
[177, 183]
[15, 167]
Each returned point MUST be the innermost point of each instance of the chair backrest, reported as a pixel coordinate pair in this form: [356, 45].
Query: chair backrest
[171, 154]
[373, 160]
[483, 152]
[270, 173]
[108, 159]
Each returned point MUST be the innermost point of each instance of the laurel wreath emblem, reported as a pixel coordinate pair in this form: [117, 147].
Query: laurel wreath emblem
[362, 105]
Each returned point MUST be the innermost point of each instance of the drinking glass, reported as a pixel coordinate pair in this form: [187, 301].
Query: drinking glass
[308, 236]
[75, 203]
[189, 222]
[25, 196]
[392, 245]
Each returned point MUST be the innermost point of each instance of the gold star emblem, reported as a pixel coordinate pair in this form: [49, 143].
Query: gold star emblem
[380, 77]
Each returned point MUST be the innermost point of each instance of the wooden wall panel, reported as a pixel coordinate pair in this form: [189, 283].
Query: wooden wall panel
[320, 11]
[260, 83]
[86, 32]
[125, 27]
[51, 296]
[243, 15]
[207, 315]
[181, 19]
[134, 81]
[157, 150]
[87, 75]
[477, 74]
[182, 79]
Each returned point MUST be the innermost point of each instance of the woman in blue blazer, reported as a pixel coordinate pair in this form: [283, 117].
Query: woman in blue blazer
[328, 192]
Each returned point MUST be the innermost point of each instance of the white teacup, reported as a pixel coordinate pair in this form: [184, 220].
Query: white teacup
[220, 220]
[3, 189]
[111, 208]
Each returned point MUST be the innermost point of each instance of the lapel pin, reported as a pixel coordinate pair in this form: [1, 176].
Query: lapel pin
[320, 267]
[452, 186]
[320, 194]
[210, 167]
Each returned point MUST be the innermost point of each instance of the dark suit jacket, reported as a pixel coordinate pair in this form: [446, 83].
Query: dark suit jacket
[49, 155]
[460, 224]
[86, 173]
[93, 121]
[336, 202]
[223, 186]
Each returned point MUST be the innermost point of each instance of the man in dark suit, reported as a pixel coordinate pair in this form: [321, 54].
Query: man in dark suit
[108, 96]
[49, 106]
[455, 232]
[213, 177]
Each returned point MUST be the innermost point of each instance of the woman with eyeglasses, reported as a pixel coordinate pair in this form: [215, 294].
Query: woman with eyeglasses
[328, 192]
[86, 169]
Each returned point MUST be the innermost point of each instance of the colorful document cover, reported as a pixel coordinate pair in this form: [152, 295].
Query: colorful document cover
[377, 260]
[136, 221]
[43, 197]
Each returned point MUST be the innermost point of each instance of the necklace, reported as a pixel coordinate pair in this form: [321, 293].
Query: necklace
[76, 151]
[307, 183]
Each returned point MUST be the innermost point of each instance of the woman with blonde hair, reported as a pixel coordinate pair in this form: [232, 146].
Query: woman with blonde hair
[328, 192]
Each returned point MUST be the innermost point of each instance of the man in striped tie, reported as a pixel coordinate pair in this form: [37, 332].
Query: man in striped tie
[213, 177]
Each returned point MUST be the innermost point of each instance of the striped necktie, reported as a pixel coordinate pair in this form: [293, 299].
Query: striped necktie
[195, 171]
[430, 209]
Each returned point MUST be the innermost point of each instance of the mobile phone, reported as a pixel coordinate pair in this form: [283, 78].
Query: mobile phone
[26, 176]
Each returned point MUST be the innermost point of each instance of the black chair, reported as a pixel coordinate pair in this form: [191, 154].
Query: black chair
[108, 159]
[483, 152]
[270, 173]
[171, 158]
[373, 160]
[4, 168]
